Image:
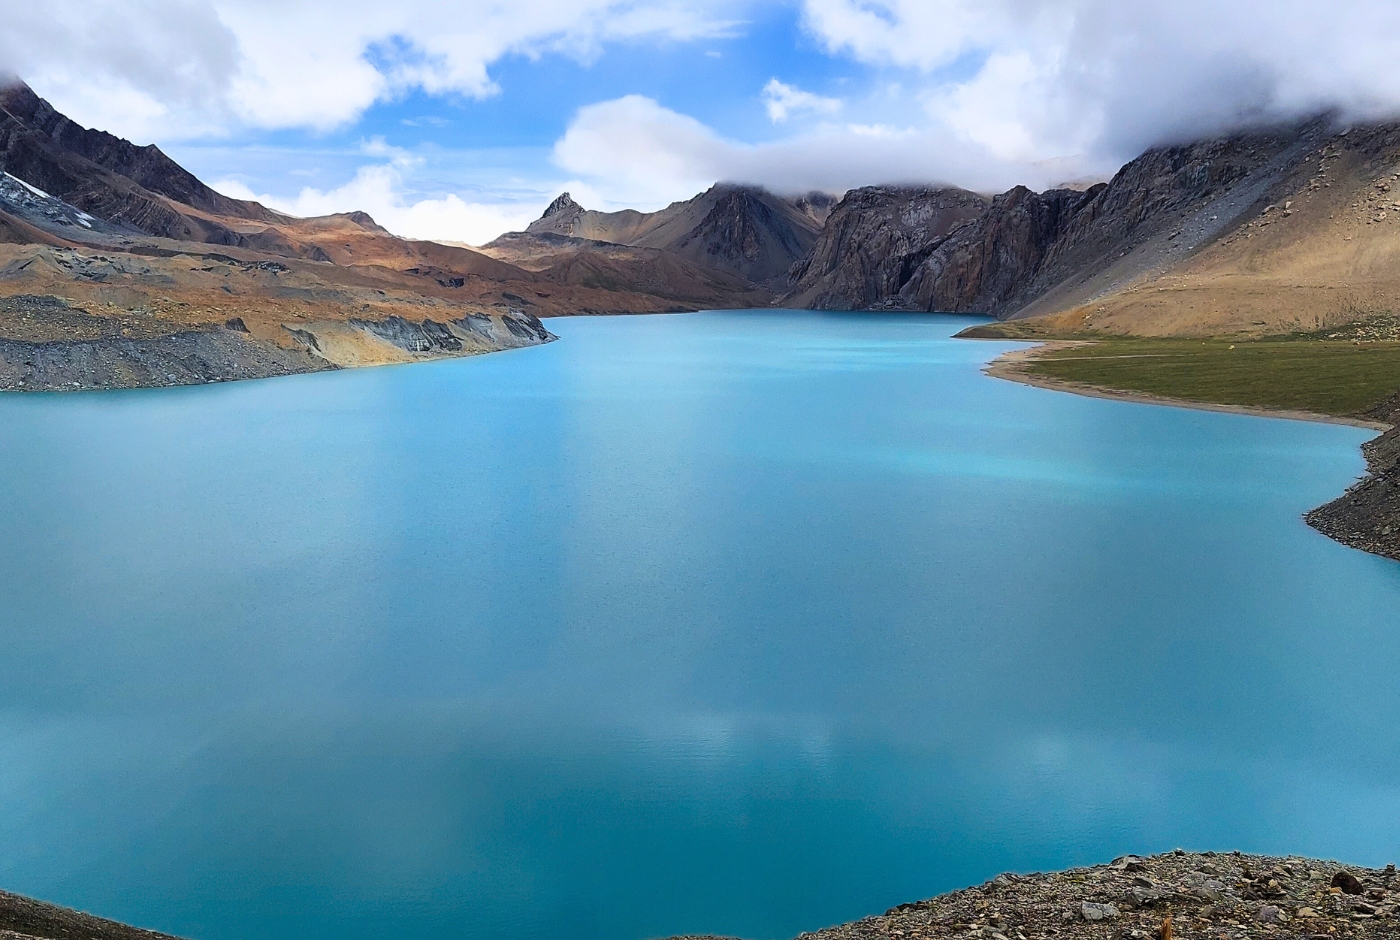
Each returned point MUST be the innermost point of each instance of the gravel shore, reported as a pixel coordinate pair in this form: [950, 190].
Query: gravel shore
[1222, 896]
[1219, 896]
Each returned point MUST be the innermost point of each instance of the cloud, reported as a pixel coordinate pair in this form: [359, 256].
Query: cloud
[983, 93]
[638, 151]
[382, 191]
[179, 69]
[1044, 79]
[784, 100]
[128, 63]
[632, 151]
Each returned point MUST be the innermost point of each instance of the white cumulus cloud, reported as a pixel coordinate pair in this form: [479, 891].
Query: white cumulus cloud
[1044, 79]
[782, 101]
[176, 69]
[633, 151]
[383, 190]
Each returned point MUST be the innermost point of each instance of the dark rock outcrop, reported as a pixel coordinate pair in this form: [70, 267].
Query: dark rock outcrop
[1022, 252]
[109, 178]
[35, 123]
[1367, 516]
[873, 241]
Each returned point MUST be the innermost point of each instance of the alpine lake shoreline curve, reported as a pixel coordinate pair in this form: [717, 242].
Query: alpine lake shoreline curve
[1130, 898]
[1365, 517]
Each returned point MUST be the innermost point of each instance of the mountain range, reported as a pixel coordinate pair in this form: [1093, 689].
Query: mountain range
[741, 230]
[119, 267]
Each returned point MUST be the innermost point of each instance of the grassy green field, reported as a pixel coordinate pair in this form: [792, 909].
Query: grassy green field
[1304, 374]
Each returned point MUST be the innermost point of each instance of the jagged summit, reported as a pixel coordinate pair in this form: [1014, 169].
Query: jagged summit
[736, 229]
[563, 203]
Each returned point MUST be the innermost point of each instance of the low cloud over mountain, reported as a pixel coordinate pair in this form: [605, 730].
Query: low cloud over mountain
[834, 93]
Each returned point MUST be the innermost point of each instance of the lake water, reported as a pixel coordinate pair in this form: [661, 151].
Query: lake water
[743, 623]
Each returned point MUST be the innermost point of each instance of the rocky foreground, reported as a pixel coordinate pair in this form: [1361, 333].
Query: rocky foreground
[1223, 896]
[1367, 516]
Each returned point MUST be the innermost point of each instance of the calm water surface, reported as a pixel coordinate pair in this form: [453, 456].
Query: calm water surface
[734, 623]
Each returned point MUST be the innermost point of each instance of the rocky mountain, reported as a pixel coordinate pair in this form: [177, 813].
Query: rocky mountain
[738, 230]
[111, 178]
[1275, 229]
[118, 267]
[873, 240]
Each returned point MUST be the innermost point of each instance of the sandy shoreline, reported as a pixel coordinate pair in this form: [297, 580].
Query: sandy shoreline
[1012, 366]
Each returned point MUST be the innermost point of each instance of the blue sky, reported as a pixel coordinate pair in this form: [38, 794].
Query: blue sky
[500, 146]
[458, 119]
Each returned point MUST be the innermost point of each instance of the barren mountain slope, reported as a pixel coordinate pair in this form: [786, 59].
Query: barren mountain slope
[1268, 231]
[1314, 243]
[739, 230]
[109, 279]
[584, 262]
[871, 241]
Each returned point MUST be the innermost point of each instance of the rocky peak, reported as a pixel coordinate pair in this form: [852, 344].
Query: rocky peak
[562, 217]
[750, 232]
[364, 220]
[562, 204]
[95, 169]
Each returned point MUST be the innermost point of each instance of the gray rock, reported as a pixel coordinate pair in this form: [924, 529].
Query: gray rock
[1094, 911]
[1212, 890]
[1145, 897]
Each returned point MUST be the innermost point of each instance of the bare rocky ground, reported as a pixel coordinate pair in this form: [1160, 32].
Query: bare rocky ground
[49, 344]
[22, 918]
[1220, 896]
[1367, 516]
[1206, 895]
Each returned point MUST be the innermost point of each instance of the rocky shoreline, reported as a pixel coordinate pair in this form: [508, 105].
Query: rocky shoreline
[50, 345]
[1367, 516]
[1223, 896]
[1215, 895]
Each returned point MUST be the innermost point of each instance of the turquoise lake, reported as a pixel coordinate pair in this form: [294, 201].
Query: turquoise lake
[735, 623]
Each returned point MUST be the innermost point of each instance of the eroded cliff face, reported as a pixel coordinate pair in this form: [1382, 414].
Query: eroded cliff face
[873, 241]
[993, 262]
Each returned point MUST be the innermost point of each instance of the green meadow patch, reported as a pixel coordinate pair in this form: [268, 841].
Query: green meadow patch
[1303, 374]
